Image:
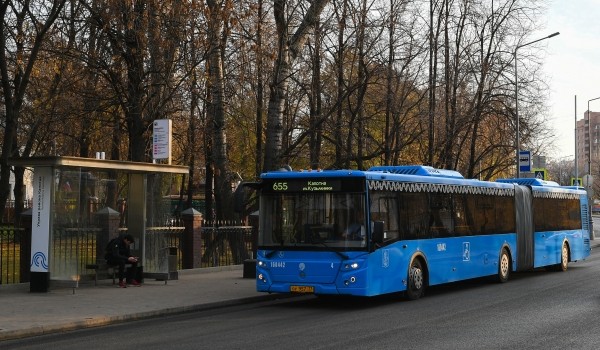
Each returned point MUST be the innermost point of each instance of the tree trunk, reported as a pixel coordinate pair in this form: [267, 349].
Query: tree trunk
[339, 148]
[287, 50]
[389, 94]
[191, 141]
[134, 59]
[222, 181]
[259, 91]
[315, 104]
[208, 161]
[363, 80]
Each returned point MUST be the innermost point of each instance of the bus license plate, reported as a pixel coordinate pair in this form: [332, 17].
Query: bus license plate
[302, 289]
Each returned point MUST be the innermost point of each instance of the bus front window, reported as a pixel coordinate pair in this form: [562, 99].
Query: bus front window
[306, 219]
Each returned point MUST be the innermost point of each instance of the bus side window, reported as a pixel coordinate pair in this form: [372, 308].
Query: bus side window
[483, 214]
[438, 223]
[414, 215]
[463, 218]
[504, 215]
[566, 214]
[385, 209]
[441, 223]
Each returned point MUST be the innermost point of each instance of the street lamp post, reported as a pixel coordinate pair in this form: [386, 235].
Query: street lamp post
[518, 140]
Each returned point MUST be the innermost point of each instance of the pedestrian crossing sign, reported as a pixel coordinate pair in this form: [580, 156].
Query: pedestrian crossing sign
[576, 181]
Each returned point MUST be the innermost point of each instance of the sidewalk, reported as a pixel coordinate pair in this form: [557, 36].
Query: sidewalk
[25, 314]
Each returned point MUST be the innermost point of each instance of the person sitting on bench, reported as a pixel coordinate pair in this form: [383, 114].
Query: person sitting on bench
[119, 254]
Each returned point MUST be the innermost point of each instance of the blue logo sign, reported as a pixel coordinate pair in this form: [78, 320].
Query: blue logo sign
[466, 251]
[385, 258]
[39, 259]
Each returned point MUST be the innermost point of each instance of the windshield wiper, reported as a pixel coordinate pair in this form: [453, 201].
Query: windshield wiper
[342, 255]
[270, 254]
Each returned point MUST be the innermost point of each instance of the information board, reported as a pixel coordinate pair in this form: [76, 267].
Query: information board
[161, 139]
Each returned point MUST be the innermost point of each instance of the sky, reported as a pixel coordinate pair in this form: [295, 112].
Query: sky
[572, 65]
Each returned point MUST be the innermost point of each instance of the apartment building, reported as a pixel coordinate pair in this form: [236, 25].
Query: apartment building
[588, 140]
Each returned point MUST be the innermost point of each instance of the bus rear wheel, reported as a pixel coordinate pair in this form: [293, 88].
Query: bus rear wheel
[564, 258]
[504, 266]
[416, 280]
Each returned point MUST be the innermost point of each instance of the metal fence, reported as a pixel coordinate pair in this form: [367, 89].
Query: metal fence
[157, 242]
[226, 245]
[221, 245]
[10, 254]
[74, 248]
[71, 250]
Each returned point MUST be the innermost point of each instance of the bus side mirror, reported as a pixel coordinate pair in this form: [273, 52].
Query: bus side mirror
[242, 195]
[378, 232]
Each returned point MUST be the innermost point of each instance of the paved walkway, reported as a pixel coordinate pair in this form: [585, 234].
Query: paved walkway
[25, 314]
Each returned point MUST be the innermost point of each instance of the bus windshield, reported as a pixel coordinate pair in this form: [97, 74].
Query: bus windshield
[322, 220]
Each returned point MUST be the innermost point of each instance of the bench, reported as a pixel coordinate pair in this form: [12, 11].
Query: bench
[102, 267]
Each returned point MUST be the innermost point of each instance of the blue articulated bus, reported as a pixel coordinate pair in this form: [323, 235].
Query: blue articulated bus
[403, 228]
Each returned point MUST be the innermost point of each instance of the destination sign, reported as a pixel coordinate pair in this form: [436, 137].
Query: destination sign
[313, 185]
[303, 185]
[320, 185]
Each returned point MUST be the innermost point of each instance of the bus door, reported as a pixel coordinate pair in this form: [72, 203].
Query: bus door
[524, 227]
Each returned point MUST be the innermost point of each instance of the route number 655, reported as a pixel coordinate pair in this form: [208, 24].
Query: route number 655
[280, 186]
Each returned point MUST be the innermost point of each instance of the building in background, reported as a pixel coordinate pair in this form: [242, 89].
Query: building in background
[588, 141]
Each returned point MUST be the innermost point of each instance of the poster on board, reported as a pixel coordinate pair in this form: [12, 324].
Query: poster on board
[40, 225]
[161, 139]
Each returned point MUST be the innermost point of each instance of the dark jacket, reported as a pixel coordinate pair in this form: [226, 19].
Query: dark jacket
[117, 250]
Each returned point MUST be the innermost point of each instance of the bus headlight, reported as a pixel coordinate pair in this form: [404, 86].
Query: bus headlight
[352, 266]
[261, 263]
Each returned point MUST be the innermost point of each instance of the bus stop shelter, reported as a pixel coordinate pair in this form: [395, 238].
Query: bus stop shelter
[79, 204]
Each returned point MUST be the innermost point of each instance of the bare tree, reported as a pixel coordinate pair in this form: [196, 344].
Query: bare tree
[341, 15]
[142, 62]
[289, 46]
[18, 57]
[217, 19]
[435, 89]
[259, 88]
[434, 32]
[315, 126]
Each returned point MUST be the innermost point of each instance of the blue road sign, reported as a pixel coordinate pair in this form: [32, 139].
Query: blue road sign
[525, 161]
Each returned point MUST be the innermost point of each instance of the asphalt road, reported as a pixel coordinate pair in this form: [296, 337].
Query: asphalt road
[534, 310]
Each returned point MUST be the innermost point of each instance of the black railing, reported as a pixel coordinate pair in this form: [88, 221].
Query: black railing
[226, 245]
[10, 254]
[158, 240]
[72, 250]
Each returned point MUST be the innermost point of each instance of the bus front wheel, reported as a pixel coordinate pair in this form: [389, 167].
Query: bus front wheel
[416, 280]
[503, 266]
